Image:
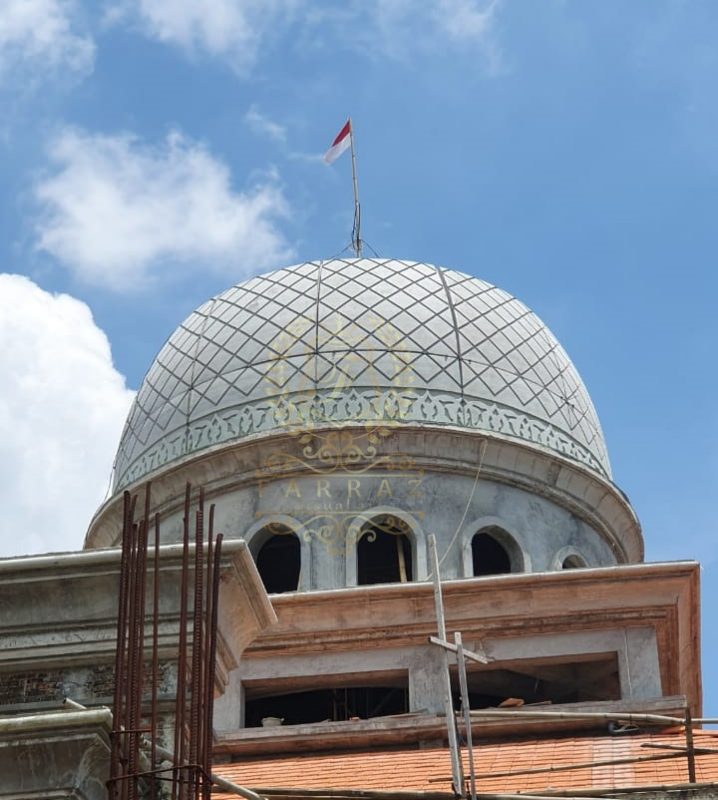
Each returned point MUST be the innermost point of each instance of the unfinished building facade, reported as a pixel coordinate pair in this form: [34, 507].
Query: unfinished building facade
[339, 412]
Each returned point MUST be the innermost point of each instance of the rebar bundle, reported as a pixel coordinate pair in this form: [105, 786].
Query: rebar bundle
[135, 706]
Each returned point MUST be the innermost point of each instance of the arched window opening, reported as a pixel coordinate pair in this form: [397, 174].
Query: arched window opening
[279, 560]
[384, 552]
[573, 562]
[489, 556]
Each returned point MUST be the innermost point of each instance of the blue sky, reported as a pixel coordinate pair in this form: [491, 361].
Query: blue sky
[152, 152]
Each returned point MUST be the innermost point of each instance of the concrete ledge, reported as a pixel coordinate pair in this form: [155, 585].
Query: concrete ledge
[54, 755]
[498, 611]
[413, 728]
[433, 449]
[60, 610]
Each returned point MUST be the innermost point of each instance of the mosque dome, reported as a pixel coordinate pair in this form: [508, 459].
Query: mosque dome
[358, 341]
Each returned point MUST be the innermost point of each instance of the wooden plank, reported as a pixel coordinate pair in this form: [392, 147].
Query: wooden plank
[481, 658]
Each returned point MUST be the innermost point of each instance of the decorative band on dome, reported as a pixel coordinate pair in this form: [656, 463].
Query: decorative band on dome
[355, 407]
[358, 341]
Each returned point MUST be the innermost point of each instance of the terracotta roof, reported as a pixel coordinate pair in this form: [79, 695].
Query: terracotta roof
[417, 770]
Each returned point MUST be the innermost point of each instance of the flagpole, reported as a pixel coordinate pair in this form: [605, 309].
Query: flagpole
[356, 230]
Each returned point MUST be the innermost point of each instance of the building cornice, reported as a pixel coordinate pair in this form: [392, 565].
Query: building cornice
[663, 597]
[446, 450]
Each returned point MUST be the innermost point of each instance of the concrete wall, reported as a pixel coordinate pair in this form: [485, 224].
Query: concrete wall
[55, 755]
[327, 513]
[327, 484]
[58, 624]
[636, 650]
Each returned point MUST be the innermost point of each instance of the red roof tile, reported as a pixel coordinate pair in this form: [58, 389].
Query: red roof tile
[430, 769]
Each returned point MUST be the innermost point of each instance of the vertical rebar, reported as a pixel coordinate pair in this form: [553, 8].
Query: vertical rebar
[690, 750]
[196, 678]
[155, 650]
[141, 607]
[130, 792]
[204, 755]
[212, 660]
[132, 534]
[116, 744]
[192, 753]
[179, 743]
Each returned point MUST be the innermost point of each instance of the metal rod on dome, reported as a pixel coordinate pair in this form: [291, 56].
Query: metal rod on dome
[356, 229]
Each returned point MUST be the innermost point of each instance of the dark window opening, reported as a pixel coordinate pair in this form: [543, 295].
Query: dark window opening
[543, 683]
[573, 562]
[384, 553]
[279, 561]
[489, 556]
[334, 704]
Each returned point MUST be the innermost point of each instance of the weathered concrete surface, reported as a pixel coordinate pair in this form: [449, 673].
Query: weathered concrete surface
[448, 482]
[58, 618]
[706, 792]
[55, 755]
[420, 727]
[644, 614]
[57, 637]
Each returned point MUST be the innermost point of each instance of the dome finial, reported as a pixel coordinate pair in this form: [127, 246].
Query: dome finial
[356, 229]
[343, 140]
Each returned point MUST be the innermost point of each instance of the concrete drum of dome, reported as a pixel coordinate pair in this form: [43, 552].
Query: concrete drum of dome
[358, 341]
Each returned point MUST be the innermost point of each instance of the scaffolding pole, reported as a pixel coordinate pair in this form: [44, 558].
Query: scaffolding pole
[456, 766]
[466, 710]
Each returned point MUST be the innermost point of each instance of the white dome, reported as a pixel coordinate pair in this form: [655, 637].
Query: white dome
[358, 341]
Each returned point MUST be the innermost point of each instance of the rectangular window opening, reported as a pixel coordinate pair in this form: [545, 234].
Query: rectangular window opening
[541, 681]
[337, 698]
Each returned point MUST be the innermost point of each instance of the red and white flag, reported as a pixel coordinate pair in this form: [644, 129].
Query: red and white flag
[340, 144]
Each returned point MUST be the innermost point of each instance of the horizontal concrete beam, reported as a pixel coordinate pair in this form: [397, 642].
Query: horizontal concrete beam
[61, 609]
[405, 728]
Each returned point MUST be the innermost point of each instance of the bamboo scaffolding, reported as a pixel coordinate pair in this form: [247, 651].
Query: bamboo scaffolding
[608, 762]
[608, 716]
[452, 729]
[604, 792]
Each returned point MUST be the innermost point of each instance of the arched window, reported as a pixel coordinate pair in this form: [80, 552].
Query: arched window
[573, 561]
[384, 553]
[494, 552]
[278, 559]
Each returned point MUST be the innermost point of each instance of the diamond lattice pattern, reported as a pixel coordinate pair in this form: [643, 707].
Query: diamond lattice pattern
[360, 339]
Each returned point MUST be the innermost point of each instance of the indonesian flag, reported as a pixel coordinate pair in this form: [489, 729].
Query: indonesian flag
[340, 144]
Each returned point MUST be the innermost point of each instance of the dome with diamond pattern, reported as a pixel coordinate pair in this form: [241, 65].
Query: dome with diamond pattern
[358, 341]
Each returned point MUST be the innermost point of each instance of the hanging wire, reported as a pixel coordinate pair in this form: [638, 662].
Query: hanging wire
[350, 246]
[373, 251]
[482, 453]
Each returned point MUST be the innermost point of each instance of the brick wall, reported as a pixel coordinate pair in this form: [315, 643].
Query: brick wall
[80, 683]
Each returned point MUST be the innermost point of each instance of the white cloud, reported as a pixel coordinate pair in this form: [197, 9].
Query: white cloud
[62, 407]
[238, 32]
[115, 210]
[401, 28]
[231, 30]
[465, 19]
[260, 124]
[40, 35]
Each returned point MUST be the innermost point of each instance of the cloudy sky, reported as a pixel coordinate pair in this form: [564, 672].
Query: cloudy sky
[153, 152]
